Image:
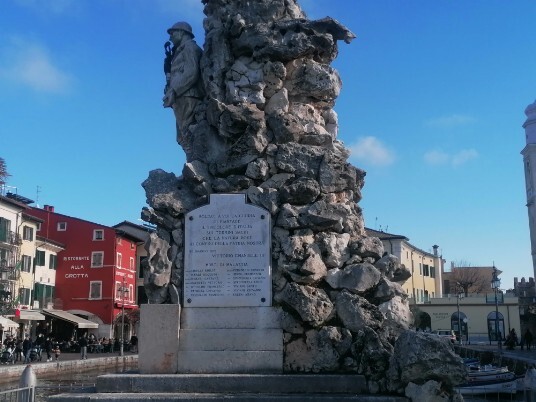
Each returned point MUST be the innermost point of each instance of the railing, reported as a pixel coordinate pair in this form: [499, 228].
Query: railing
[10, 237]
[26, 394]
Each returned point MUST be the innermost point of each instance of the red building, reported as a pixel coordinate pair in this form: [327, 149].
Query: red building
[96, 273]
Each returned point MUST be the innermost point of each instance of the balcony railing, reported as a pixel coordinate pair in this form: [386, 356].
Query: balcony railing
[11, 238]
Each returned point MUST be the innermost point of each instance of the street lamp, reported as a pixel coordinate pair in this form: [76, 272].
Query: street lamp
[495, 285]
[459, 296]
[123, 289]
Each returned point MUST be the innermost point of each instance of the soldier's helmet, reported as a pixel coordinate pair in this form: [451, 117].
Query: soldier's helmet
[181, 26]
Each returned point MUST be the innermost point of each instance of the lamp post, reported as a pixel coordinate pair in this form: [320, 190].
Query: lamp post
[123, 290]
[495, 285]
[459, 296]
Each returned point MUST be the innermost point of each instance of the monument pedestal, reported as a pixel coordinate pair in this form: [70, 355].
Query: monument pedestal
[158, 338]
[210, 340]
[230, 340]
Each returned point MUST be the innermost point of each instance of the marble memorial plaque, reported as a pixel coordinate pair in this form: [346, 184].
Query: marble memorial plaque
[227, 254]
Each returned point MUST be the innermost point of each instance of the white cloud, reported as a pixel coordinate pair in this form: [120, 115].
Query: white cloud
[372, 151]
[453, 120]
[463, 156]
[438, 157]
[31, 65]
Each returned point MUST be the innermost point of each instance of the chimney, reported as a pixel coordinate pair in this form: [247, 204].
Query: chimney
[435, 247]
[49, 208]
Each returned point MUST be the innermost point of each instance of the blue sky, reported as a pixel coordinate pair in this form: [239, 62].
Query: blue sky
[432, 106]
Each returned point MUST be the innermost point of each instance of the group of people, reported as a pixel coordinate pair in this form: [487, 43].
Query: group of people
[512, 340]
[92, 344]
[28, 350]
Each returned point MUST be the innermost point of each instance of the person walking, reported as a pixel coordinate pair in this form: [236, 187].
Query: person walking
[134, 343]
[26, 348]
[48, 348]
[83, 347]
[18, 350]
[528, 339]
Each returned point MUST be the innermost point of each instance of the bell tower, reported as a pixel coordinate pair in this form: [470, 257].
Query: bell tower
[529, 163]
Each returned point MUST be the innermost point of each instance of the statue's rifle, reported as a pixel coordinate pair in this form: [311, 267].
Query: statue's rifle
[167, 63]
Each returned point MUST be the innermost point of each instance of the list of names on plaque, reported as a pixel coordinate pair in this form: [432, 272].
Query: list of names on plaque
[227, 254]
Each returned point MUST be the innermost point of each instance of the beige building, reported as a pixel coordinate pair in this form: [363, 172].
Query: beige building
[476, 316]
[434, 295]
[426, 268]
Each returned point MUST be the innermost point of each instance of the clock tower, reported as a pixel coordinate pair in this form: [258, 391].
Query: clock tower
[529, 163]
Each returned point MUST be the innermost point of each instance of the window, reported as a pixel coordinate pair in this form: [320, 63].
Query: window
[131, 293]
[26, 263]
[39, 258]
[95, 290]
[119, 260]
[132, 246]
[53, 261]
[96, 259]
[420, 268]
[426, 272]
[27, 233]
[119, 240]
[24, 296]
[62, 226]
[432, 272]
[5, 226]
[131, 263]
[118, 290]
[38, 226]
[98, 234]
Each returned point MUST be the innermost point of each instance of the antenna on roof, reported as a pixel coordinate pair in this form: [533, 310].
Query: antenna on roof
[37, 191]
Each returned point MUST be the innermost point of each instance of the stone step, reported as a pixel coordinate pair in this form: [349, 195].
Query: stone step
[242, 397]
[229, 361]
[231, 339]
[230, 317]
[232, 383]
[133, 387]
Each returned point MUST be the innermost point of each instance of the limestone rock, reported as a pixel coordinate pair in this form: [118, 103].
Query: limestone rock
[419, 357]
[386, 290]
[334, 248]
[356, 312]
[390, 266]
[301, 191]
[165, 192]
[396, 310]
[157, 275]
[314, 354]
[357, 278]
[313, 305]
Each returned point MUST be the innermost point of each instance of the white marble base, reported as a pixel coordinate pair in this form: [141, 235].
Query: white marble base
[159, 338]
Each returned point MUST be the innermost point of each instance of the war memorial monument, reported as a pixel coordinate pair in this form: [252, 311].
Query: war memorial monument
[260, 276]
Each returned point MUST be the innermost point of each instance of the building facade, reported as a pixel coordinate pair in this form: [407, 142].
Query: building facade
[95, 273]
[426, 268]
[529, 165]
[476, 316]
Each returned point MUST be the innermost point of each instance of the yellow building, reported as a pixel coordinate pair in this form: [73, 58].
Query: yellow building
[426, 267]
[476, 316]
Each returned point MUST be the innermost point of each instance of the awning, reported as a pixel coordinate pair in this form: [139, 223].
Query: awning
[31, 315]
[6, 323]
[73, 319]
